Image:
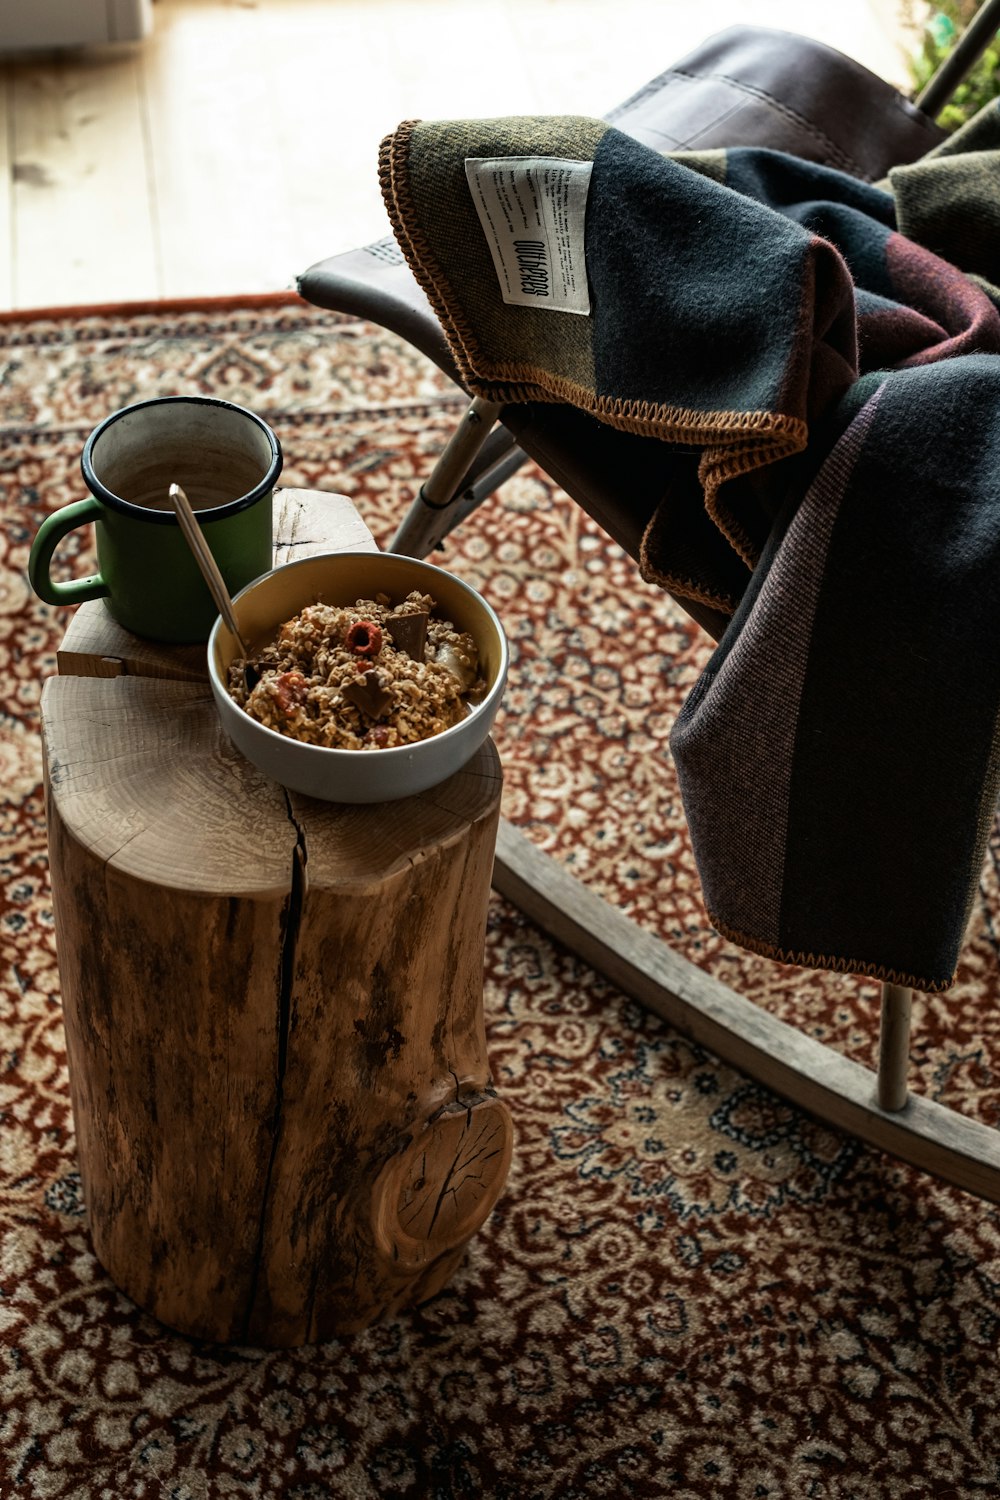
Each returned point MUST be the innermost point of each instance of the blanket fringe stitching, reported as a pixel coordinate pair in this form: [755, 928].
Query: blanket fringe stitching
[833, 963]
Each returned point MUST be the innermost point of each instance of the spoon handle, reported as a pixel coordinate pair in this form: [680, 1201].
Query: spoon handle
[203, 557]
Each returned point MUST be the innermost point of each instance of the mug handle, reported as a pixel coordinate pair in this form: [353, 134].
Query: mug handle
[47, 539]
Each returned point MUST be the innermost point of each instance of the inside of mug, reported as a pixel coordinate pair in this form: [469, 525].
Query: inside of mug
[216, 455]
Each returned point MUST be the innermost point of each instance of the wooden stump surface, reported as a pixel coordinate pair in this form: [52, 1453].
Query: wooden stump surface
[285, 1117]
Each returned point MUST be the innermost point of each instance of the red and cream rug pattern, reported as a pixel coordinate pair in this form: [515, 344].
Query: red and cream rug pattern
[688, 1289]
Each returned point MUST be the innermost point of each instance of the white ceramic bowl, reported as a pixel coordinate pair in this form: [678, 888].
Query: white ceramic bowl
[341, 578]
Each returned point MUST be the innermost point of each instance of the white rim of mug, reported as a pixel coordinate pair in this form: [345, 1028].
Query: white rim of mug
[168, 518]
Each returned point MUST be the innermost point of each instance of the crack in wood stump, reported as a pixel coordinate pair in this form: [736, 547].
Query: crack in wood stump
[291, 922]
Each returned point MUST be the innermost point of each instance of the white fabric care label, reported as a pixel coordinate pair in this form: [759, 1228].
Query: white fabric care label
[533, 211]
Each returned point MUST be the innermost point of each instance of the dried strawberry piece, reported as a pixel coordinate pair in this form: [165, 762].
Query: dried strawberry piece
[290, 691]
[364, 638]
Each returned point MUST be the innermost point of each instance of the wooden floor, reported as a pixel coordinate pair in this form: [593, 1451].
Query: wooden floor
[237, 144]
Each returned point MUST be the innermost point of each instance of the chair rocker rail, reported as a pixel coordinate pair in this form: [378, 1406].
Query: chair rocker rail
[809, 1074]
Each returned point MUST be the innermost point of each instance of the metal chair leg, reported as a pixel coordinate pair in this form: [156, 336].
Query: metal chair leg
[477, 459]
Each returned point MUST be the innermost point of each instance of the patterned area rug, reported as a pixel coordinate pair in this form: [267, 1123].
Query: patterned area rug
[688, 1289]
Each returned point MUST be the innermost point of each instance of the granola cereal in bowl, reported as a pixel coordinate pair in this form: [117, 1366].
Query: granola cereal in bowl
[371, 677]
[363, 676]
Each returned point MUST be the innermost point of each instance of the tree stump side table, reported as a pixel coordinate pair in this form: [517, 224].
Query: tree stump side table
[273, 1006]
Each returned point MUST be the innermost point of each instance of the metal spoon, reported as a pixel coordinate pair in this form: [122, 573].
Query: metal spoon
[210, 572]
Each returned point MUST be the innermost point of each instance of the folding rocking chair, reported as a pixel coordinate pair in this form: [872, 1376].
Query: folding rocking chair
[746, 86]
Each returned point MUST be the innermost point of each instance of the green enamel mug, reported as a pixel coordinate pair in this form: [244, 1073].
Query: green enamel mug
[227, 461]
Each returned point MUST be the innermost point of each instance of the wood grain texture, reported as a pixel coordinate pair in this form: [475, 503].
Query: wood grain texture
[392, 922]
[6, 188]
[222, 195]
[268, 1001]
[79, 178]
[168, 993]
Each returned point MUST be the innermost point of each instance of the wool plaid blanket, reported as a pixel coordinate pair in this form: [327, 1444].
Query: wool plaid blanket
[821, 357]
